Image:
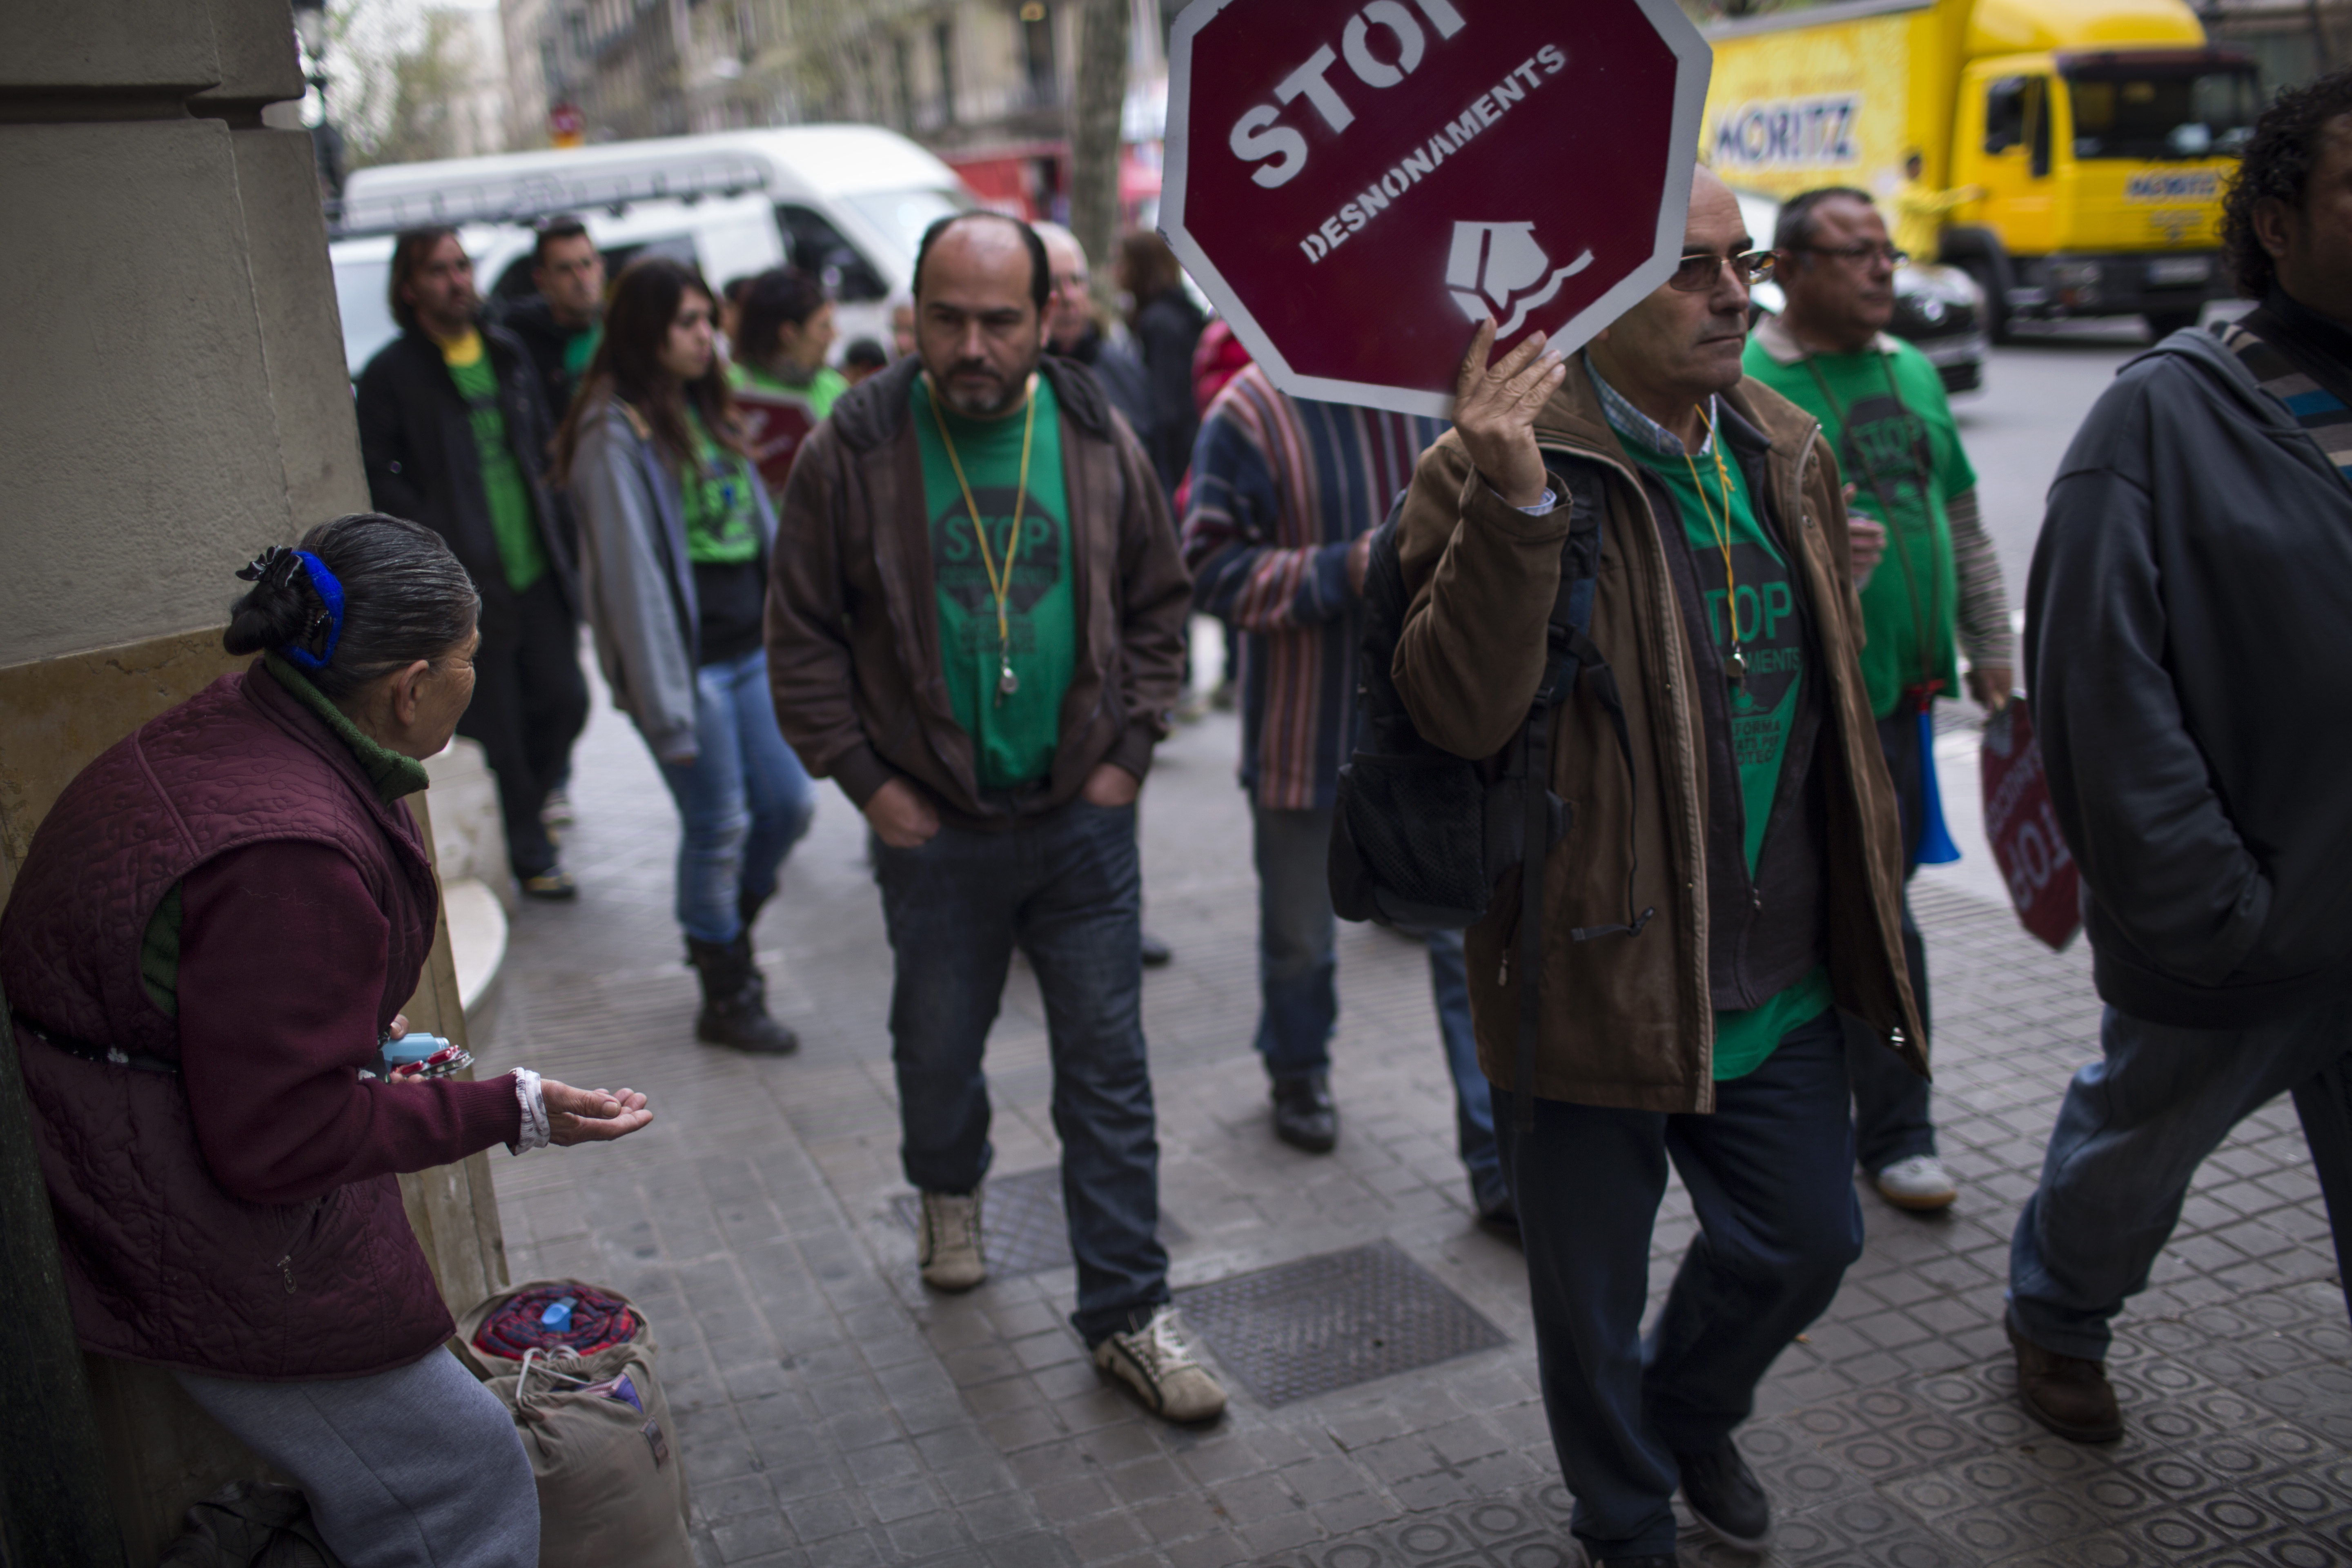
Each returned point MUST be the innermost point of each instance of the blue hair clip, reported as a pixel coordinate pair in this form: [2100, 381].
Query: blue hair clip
[331, 593]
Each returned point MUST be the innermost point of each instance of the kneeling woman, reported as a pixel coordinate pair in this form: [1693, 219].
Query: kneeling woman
[205, 952]
[675, 535]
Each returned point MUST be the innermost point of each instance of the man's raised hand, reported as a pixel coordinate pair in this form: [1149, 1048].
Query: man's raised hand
[1495, 410]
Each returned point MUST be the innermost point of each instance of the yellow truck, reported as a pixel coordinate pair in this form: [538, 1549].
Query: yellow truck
[2100, 133]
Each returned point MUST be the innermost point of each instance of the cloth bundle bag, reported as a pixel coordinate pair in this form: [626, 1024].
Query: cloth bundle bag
[612, 1484]
[251, 1524]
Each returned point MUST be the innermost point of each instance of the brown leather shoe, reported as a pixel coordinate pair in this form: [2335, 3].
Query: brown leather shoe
[2066, 1393]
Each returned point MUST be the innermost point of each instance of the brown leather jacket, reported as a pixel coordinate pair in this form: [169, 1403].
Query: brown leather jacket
[1627, 1021]
[853, 612]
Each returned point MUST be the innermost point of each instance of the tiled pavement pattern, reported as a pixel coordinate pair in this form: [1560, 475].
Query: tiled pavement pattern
[831, 1412]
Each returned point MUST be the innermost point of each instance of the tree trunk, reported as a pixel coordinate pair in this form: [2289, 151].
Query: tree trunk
[1095, 113]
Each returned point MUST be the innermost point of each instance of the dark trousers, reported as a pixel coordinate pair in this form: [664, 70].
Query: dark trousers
[1891, 1118]
[1770, 1175]
[1067, 888]
[531, 702]
[2132, 1131]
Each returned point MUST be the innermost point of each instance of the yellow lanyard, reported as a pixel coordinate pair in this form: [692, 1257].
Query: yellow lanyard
[999, 583]
[1736, 666]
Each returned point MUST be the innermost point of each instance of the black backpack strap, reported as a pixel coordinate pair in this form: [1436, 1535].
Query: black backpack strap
[1573, 655]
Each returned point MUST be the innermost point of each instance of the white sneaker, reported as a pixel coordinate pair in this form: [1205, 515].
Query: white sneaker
[949, 1245]
[1160, 1363]
[1919, 1182]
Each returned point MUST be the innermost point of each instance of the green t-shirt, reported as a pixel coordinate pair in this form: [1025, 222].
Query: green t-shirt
[521, 554]
[721, 518]
[1761, 600]
[1014, 735]
[1887, 413]
[818, 392]
[579, 348]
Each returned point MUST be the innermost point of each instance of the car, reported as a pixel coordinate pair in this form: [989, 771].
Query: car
[1938, 310]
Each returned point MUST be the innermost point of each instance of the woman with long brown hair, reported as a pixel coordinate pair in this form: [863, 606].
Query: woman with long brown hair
[675, 534]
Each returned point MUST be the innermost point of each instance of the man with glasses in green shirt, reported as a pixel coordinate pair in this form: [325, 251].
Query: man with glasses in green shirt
[1882, 407]
[1726, 888]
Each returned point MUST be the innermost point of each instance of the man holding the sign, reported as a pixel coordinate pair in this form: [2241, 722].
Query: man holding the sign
[1882, 407]
[1756, 834]
[2186, 606]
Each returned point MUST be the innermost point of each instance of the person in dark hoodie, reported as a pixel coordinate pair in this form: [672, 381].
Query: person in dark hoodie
[2186, 602]
[561, 324]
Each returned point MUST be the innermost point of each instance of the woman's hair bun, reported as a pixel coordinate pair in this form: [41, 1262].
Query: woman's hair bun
[277, 609]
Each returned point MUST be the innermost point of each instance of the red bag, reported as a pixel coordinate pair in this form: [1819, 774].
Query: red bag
[2043, 881]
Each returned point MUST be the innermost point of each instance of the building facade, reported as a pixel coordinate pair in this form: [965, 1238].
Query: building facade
[987, 84]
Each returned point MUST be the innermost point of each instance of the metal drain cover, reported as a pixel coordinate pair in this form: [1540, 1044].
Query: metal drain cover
[1022, 1229]
[1307, 1328]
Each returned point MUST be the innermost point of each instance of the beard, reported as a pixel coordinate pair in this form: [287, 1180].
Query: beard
[978, 390]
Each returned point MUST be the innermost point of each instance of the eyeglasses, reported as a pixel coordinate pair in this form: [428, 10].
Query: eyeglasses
[1862, 250]
[1697, 273]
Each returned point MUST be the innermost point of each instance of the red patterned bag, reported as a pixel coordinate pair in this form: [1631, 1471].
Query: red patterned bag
[2043, 881]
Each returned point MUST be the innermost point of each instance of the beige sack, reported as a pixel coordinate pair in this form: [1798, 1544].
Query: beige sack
[612, 1484]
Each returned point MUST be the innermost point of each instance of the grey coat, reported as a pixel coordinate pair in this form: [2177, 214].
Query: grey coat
[2184, 623]
[635, 581]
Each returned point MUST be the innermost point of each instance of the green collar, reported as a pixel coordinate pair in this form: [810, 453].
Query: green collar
[393, 775]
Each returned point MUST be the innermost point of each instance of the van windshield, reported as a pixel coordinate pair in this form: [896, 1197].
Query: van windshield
[2134, 110]
[902, 215]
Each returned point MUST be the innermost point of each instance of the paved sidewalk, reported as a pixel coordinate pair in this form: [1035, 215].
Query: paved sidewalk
[833, 1412]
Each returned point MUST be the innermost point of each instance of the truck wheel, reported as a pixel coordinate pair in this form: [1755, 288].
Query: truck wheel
[1996, 308]
[2164, 323]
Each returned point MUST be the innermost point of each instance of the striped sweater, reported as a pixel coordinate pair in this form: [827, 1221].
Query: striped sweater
[1281, 489]
[2314, 407]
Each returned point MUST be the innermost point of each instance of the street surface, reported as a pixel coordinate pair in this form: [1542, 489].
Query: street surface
[830, 1411]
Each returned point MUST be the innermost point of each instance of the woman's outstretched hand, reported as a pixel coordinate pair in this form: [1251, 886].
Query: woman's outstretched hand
[591, 1115]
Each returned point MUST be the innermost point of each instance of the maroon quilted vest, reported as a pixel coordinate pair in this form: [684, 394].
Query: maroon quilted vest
[161, 1264]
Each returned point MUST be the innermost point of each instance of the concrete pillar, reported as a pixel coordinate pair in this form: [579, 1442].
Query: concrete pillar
[176, 399]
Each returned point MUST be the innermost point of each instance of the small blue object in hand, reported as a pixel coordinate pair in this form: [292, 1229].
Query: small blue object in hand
[413, 1047]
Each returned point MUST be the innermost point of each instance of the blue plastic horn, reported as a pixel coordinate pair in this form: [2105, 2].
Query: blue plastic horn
[1935, 846]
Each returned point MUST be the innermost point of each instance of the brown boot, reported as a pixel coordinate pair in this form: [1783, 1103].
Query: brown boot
[2066, 1393]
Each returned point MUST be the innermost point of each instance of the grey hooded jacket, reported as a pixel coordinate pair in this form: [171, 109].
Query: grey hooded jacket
[636, 580]
[2185, 622]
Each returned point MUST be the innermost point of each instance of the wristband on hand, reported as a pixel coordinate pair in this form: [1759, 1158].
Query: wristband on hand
[538, 1130]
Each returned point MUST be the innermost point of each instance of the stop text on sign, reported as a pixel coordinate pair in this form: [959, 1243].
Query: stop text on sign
[1255, 134]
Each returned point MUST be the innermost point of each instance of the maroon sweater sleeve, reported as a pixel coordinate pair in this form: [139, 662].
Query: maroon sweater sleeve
[283, 955]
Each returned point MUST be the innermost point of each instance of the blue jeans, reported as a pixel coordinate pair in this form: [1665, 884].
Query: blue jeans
[1067, 888]
[1770, 1174]
[2131, 1133]
[742, 803]
[1298, 969]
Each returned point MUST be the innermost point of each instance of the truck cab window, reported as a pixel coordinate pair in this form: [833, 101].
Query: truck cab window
[2037, 123]
[2004, 114]
[812, 245]
[2017, 114]
[2139, 110]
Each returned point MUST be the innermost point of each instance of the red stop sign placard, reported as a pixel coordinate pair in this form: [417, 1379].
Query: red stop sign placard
[1355, 185]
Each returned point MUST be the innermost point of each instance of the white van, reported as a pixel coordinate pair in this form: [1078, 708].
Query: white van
[845, 203]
